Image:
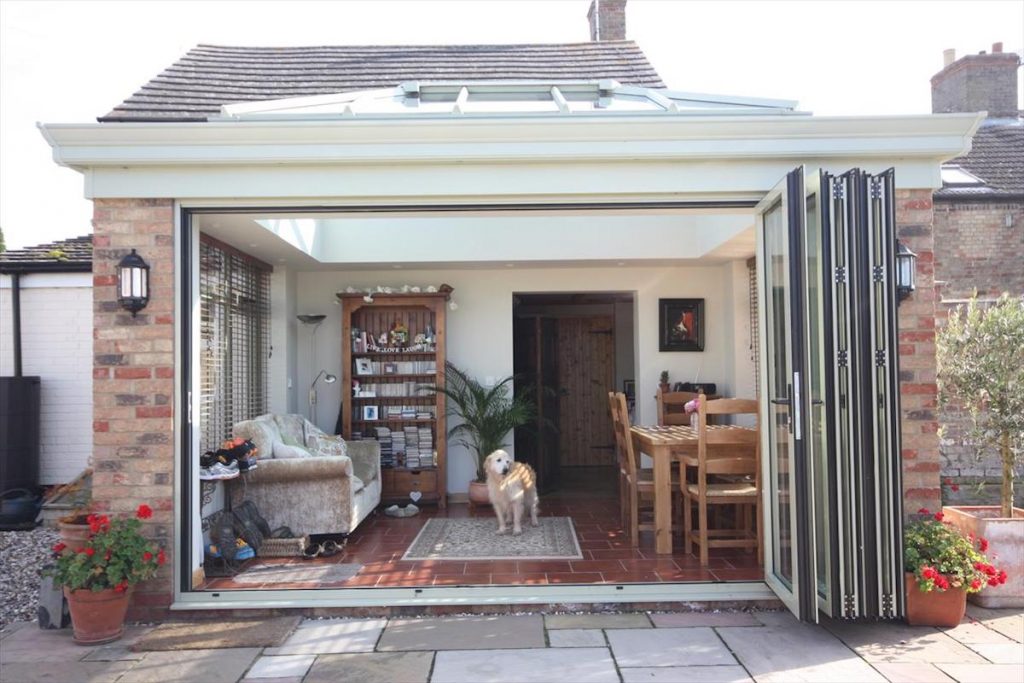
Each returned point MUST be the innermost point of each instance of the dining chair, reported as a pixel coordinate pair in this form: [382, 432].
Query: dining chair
[670, 407]
[734, 454]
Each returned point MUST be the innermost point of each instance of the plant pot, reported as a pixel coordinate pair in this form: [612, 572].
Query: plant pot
[74, 536]
[478, 494]
[97, 617]
[934, 608]
[665, 388]
[1005, 536]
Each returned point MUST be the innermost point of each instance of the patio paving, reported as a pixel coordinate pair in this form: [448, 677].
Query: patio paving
[700, 647]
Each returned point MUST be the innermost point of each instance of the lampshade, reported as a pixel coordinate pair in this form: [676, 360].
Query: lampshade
[133, 283]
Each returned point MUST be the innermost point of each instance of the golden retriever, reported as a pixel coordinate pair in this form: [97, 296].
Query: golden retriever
[512, 487]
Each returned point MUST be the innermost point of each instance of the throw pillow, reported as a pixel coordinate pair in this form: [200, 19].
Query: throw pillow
[283, 451]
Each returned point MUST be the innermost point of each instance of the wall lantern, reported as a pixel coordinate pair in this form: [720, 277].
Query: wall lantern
[906, 271]
[133, 283]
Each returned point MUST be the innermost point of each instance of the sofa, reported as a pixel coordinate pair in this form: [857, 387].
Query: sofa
[308, 480]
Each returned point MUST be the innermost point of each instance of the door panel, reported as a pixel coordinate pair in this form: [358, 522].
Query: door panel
[586, 372]
[535, 361]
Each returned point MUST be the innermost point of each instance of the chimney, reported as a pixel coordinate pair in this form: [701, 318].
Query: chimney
[981, 82]
[607, 19]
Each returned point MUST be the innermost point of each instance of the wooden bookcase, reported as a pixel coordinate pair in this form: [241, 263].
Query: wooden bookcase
[397, 373]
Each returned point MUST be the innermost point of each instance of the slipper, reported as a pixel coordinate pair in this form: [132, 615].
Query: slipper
[312, 551]
[393, 511]
[329, 548]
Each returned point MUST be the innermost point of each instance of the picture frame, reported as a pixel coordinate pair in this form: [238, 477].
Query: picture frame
[364, 366]
[371, 413]
[680, 325]
[391, 368]
[629, 387]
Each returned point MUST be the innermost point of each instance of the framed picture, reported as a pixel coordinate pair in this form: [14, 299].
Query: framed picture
[391, 368]
[364, 366]
[370, 413]
[629, 387]
[681, 324]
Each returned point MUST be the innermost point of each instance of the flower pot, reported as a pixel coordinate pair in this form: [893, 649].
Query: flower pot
[74, 536]
[934, 608]
[97, 617]
[478, 494]
[1005, 536]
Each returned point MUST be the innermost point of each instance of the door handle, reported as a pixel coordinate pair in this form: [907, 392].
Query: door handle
[780, 401]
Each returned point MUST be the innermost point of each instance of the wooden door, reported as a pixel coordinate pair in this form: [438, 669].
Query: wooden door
[535, 352]
[586, 373]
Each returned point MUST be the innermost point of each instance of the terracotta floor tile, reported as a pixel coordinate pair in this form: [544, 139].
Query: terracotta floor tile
[748, 574]
[666, 563]
[574, 577]
[616, 554]
[491, 566]
[595, 545]
[516, 579]
[630, 577]
[462, 579]
[597, 566]
[546, 566]
[682, 575]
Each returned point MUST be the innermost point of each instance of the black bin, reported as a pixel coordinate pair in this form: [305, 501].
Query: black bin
[19, 433]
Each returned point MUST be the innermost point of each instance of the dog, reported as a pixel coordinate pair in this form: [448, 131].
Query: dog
[512, 487]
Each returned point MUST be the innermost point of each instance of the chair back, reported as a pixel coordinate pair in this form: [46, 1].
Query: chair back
[623, 439]
[670, 407]
[733, 450]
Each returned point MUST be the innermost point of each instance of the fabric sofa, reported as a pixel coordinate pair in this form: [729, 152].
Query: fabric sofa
[308, 480]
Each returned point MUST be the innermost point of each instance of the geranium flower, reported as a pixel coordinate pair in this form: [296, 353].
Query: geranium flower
[994, 581]
[939, 516]
[144, 511]
[976, 584]
[160, 557]
[147, 556]
[928, 573]
[121, 587]
[59, 548]
[90, 551]
[924, 511]
[1002, 576]
[982, 544]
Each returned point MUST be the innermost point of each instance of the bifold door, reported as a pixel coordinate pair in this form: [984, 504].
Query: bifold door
[830, 403]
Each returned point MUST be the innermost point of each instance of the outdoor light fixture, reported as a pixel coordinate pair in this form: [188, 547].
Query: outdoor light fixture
[133, 283]
[906, 271]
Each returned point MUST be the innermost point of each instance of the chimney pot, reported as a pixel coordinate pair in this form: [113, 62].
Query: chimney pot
[948, 57]
[977, 82]
[997, 48]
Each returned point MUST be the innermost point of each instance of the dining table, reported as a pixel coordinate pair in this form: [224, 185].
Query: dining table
[666, 445]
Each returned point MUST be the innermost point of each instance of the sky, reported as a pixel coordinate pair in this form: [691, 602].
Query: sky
[64, 62]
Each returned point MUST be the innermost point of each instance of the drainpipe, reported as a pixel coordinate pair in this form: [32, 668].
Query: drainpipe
[16, 322]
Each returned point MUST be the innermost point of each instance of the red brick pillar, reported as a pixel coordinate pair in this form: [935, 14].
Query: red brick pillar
[133, 387]
[918, 391]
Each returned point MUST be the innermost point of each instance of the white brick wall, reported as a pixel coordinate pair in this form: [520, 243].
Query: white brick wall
[56, 329]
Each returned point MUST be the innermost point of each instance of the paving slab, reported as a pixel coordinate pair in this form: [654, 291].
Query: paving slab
[796, 653]
[1009, 622]
[37, 645]
[577, 637]
[372, 667]
[896, 642]
[780, 618]
[695, 646]
[690, 674]
[579, 665]
[63, 671]
[969, 632]
[15, 626]
[633, 620]
[984, 673]
[687, 619]
[208, 666]
[911, 672]
[119, 650]
[281, 666]
[331, 636]
[289, 679]
[463, 633]
[1000, 653]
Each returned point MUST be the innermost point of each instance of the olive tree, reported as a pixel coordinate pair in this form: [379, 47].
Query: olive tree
[980, 354]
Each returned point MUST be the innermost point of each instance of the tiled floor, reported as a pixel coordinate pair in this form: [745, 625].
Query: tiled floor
[380, 541]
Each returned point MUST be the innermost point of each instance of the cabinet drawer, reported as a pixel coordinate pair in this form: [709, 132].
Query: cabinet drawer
[424, 481]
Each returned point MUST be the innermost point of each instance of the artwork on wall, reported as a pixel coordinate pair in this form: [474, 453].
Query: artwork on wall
[370, 413]
[681, 324]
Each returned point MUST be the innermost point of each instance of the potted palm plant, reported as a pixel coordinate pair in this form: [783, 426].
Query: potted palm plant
[98, 575]
[485, 416]
[980, 354]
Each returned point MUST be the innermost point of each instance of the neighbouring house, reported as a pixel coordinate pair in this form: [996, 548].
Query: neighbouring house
[287, 199]
[979, 231]
[46, 329]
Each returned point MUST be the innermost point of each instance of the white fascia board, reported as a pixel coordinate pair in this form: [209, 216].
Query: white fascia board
[508, 139]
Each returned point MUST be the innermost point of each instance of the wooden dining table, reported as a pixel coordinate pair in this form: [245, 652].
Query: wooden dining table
[665, 446]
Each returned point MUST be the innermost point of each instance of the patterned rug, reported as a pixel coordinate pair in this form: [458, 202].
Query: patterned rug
[292, 573]
[475, 539]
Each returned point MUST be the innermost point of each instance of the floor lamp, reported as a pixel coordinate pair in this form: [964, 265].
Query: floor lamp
[315, 321]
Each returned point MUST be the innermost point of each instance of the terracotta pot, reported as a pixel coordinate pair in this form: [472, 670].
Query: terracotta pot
[934, 608]
[1005, 537]
[97, 617]
[478, 494]
[74, 536]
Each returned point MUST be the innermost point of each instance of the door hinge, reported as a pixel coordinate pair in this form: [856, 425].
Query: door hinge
[880, 357]
[842, 358]
[878, 273]
[837, 191]
[888, 609]
[840, 275]
[849, 606]
[876, 188]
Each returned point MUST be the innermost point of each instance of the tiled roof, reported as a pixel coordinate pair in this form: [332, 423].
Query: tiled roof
[196, 86]
[73, 254]
[997, 158]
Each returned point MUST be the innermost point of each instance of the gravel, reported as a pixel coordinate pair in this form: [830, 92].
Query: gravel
[22, 556]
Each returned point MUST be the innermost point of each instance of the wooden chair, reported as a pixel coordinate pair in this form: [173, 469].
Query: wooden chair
[670, 407]
[735, 454]
[636, 484]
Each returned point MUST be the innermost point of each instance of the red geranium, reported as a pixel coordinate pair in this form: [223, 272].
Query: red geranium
[59, 548]
[976, 584]
[924, 511]
[938, 516]
[160, 557]
[982, 544]
[144, 512]
[90, 551]
[147, 556]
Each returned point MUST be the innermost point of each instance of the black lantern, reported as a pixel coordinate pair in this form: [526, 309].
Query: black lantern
[906, 271]
[133, 283]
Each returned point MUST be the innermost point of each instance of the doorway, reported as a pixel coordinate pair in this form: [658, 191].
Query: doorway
[570, 349]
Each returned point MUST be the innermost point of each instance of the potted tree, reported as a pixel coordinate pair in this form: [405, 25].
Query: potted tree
[98, 576]
[981, 369]
[943, 566]
[485, 415]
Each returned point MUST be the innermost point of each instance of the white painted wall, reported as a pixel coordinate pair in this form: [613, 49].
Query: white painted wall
[283, 340]
[480, 331]
[56, 332]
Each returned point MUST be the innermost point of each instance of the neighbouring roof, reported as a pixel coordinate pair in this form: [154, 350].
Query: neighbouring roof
[209, 76]
[993, 169]
[70, 255]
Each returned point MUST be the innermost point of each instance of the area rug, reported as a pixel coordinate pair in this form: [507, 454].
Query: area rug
[297, 573]
[218, 633]
[475, 539]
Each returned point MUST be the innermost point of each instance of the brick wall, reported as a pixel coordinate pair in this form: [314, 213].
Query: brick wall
[610, 19]
[918, 392]
[975, 250]
[983, 82]
[133, 380]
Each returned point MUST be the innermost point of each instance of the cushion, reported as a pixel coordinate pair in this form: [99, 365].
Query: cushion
[263, 433]
[283, 451]
[364, 470]
[290, 426]
[326, 444]
[357, 484]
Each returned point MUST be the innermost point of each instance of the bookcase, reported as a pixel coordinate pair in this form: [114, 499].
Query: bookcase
[393, 349]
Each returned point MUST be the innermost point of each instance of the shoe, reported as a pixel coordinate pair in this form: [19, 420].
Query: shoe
[311, 552]
[243, 550]
[393, 511]
[329, 548]
[410, 510]
[219, 471]
[212, 550]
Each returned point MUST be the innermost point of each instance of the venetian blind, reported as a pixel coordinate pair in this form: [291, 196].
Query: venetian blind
[234, 292]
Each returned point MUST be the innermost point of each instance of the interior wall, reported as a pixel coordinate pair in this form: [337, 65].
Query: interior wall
[480, 330]
[284, 334]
